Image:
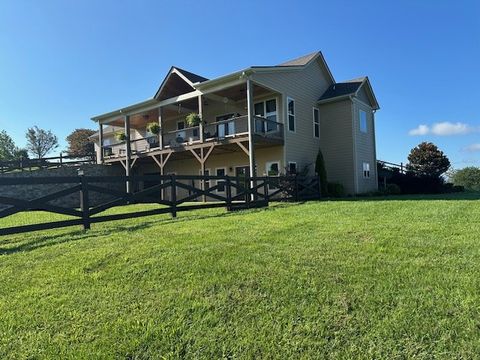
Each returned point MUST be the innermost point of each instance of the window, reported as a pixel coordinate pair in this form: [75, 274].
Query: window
[363, 121]
[273, 169]
[366, 170]
[207, 173]
[181, 135]
[226, 127]
[268, 110]
[292, 168]
[221, 183]
[316, 123]
[291, 114]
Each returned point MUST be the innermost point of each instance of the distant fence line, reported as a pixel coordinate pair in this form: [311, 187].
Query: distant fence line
[25, 164]
[174, 192]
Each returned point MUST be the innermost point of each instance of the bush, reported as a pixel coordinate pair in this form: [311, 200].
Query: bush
[468, 177]
[410, 183]
[393, 189]
[335, 190]
[321, 170]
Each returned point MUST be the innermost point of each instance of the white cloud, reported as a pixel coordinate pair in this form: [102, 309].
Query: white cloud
[473, 148]
[445, 128]
[420, 130]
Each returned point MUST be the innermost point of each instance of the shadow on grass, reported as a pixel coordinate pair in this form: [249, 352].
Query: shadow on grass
[42, 241]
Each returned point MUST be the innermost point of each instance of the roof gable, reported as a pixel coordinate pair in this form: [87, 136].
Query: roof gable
[177, 82]
[350, 88]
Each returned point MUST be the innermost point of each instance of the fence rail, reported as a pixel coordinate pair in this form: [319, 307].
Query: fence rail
[174, 193]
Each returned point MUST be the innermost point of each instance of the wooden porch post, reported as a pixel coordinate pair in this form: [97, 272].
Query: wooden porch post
[251, 129]
[200, 113]
[100, 141]
[128, 153]
[160, 134]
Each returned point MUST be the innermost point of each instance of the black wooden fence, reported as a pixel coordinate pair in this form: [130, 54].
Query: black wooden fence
[24, 164]
[174, 193]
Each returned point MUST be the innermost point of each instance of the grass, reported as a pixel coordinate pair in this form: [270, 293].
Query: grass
[398, 278]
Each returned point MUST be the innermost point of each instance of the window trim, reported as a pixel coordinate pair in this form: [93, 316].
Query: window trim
[216, 181]
[267, 165]
[366, 170]
[265, 113]
[360, 111]
[314, 123]
[294, 116]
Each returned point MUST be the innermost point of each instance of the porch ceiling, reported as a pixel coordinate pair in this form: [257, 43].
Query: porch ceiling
[239, 92]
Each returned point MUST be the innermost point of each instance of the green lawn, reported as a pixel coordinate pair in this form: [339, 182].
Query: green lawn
[372, 278]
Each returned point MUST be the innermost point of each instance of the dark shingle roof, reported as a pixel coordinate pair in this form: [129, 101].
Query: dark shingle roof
[340, 89]
[303, 60]
[194, 78]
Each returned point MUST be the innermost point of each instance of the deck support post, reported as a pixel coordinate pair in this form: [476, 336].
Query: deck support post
[100, 141]
[251, 129]
[200, 113]
[128, 154]
[160, 134]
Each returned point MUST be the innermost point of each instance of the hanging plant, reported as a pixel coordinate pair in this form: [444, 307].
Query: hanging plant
[153, 128]
[120, 136]
[193, 119]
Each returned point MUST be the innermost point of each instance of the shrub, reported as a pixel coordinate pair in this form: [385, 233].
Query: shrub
[335, 190]
[153, 128]
[468, 177]
[192, 119]
[120, 136]
[393, 189]
[322, 172]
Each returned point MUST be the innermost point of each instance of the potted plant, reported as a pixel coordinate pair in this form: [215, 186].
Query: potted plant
[193, 119]
[153, 128]
[120, 136]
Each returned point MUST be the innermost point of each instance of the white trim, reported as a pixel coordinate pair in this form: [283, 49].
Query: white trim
[267, 166]
[366, 170]
[360, 129]
[294, 116]
[264, 102]
[216, 181]
[314, 123]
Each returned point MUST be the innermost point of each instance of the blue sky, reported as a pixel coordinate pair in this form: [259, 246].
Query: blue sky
[61, 62]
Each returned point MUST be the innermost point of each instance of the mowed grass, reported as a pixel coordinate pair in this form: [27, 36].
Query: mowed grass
[369, 278]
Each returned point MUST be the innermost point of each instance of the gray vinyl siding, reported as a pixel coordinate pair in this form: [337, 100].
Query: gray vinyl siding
[305, 87]
[362, 95]
[336, 135]
[365, 149]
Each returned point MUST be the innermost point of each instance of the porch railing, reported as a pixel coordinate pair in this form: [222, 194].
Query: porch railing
[218, 130]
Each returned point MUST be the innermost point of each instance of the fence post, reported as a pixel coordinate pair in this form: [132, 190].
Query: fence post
[174, 195]
[84, 203]
[265, 191]
[228, 191]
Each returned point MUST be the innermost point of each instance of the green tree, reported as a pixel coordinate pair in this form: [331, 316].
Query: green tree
[79, 143]
[426, 159]
[7, 146]
[468, 177]
[40, 142]
[322, 172]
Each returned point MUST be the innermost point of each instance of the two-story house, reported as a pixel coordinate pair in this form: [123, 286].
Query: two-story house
[262, 120]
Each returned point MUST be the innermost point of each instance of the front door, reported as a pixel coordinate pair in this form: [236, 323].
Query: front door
[241, 173]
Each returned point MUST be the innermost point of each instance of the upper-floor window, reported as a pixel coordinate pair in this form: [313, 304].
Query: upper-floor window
[291, 114]
[268, 110]
[316, 123]
[366, 170]
[363, 121]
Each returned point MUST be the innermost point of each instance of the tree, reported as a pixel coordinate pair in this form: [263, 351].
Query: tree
[322, 172]
[79, 144]
[468, 177]
[426, 159]
[40, 142]
[7, 146]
